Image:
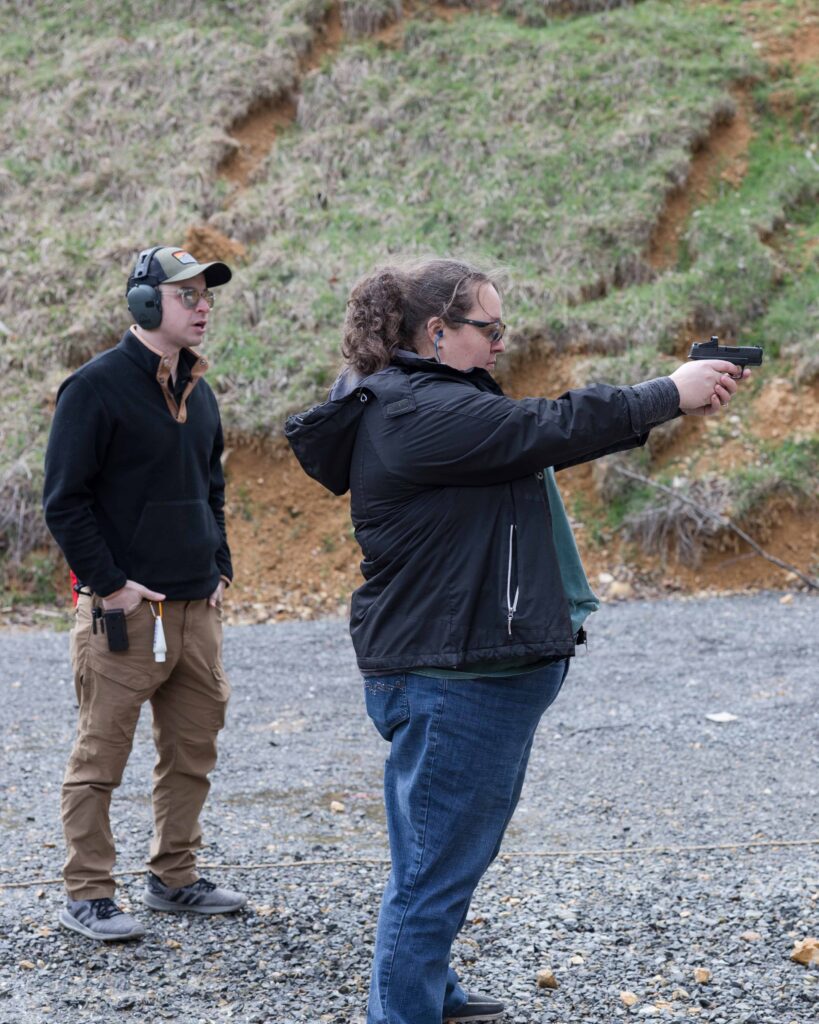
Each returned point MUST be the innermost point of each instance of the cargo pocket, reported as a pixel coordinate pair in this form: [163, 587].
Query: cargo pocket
[387, 702]
[117, 668]
[223, 690]
[134, 668]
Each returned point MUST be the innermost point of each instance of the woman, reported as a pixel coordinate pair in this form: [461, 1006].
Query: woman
[462, 627]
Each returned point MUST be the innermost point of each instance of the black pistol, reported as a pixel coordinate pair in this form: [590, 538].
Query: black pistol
[742, 356]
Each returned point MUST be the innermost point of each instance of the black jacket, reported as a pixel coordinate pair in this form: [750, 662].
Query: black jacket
[445, 474]
[134, 489]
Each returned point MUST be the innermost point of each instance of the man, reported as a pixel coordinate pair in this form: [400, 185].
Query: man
[134, 496]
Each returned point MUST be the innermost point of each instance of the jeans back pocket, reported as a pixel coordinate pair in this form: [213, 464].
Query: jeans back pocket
[387, 702]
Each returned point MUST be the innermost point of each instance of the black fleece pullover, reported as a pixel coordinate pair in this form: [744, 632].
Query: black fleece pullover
[134, 487]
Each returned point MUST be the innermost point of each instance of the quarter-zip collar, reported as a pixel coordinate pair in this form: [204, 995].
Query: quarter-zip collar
[159, 367]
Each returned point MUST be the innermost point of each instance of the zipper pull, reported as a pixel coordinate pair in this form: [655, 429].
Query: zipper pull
[509, 615]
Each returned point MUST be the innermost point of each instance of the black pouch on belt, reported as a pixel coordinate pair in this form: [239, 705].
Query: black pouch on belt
[115, 629]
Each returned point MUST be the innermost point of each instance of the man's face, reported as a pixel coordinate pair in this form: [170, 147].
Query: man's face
[183, 327]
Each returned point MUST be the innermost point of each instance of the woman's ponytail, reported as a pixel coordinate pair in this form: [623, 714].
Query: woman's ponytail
[372, 326]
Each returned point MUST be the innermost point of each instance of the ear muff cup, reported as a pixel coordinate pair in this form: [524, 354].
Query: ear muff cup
[145, 304]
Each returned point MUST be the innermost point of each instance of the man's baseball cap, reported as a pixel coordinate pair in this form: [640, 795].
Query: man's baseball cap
[166, 265]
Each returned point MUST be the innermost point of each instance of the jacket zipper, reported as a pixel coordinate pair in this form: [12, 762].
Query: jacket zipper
[511, 605]
[512, 602]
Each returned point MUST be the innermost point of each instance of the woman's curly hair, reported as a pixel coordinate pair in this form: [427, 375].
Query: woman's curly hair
[389, 308]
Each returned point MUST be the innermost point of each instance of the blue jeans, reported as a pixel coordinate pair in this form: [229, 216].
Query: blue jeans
[451, 784]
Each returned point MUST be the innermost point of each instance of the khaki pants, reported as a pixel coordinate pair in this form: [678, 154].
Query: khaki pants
[188, 695]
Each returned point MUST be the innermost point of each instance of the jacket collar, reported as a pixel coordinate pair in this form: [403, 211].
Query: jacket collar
[131, 346]
[158, 368]
[411, 362]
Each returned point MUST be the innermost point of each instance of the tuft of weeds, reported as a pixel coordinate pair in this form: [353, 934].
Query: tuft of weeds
[364, 17]
[538, 13]
[663, 524]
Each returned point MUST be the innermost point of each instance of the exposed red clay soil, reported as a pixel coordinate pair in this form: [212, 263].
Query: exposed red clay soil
[255, 133]
[206, 243]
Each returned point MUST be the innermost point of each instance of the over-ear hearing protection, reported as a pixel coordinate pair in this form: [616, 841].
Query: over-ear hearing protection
[144, 298]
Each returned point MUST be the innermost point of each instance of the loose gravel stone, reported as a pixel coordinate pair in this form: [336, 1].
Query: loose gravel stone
[625, 761]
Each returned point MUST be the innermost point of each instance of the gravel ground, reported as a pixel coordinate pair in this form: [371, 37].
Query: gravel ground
[626, 762]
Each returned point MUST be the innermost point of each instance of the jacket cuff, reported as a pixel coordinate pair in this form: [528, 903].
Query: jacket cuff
[652, 402]
[107, 585]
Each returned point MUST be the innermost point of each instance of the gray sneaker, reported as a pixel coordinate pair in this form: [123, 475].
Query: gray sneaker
[100, 919]
[200, 897]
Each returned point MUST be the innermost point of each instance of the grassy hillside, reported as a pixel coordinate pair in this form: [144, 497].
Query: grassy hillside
[545, 137]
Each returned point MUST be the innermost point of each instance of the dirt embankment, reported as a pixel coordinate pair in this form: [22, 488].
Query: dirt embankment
[294, 550]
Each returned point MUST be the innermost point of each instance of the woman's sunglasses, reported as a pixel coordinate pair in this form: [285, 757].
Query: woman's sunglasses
[495, 336]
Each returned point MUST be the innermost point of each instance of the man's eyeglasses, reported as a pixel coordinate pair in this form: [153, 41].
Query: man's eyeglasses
[190, 297]
[497, 333]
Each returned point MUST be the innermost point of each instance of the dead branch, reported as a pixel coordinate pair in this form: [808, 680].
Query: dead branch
[722, 520]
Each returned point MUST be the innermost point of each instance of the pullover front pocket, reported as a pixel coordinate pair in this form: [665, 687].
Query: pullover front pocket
[174, 542]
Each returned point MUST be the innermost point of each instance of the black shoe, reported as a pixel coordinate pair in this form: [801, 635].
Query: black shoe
[478, 1007]
[200, 897]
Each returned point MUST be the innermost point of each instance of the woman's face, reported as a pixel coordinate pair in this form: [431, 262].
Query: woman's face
[464, 346]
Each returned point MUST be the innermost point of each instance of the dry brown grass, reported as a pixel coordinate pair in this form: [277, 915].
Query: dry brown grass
[665, 525]
[364, 17]
[538, 12]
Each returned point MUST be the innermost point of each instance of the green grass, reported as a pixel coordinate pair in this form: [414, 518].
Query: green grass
[750, 272]
[548, 151]
[546, 145]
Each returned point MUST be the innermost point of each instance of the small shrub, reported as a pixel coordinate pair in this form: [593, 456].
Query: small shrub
[665, 524]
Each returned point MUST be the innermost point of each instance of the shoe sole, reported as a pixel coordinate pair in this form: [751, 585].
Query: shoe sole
[68, 921]
[168, 907]
[477, 1018]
